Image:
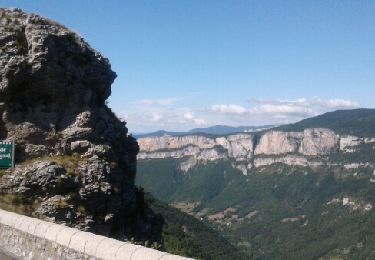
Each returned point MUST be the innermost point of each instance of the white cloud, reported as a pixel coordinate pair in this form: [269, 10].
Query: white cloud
[285, 109]
[228, 109]
[305, 106]
[167, 114]
[155, 117]
[276, 111]
[158, 102]
[342, 104]
[189, 115]
[200, 121]
[151, 118]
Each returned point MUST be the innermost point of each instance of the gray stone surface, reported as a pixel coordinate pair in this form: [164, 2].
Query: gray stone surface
[6, 256]
[108, 248]
[126, 251]
[143, 253]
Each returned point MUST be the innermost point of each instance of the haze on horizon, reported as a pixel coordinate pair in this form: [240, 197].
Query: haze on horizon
[188, 64]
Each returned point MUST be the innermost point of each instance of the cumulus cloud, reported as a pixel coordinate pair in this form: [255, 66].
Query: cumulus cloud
[338, 103]
[149, 115]
[168, 114]
[189, 115]
[277, 111]
[159, 102]
[155, 117]
[228, 109]
[285, 109]
[304, 106]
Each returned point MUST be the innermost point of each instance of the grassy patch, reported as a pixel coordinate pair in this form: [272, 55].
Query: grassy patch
[17, 203]
[69, 162]
[3, 172]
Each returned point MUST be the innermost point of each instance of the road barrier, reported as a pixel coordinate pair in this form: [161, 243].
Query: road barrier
[31, 238]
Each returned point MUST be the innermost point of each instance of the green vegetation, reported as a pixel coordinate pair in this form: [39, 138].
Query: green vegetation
[276, 212]
[3, 172]
[184, 235]
[26, 205]
[358, 122]
[364, 153]
[69, 162]
[16, 203]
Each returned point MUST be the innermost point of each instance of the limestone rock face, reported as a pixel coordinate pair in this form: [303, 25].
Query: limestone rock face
[239, 146]
[312, 141]
[289, 160]
[72, 152]
[250, 151]
[318, 141]
[176, 142]
[275, 142]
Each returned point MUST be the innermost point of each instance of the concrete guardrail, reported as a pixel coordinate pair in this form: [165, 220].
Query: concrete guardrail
[31, 238]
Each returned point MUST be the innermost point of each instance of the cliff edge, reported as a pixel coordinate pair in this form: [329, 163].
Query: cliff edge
[75, 162]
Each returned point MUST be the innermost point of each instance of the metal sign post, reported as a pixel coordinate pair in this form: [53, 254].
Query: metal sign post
[13, 152]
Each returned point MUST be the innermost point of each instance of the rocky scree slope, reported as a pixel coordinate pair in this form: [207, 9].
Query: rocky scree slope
[309, 147]
[76, 163]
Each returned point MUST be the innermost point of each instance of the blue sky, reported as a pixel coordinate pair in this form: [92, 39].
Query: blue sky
[191, 63]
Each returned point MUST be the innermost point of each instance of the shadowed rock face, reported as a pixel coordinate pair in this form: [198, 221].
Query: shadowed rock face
[76, 162]
[49, 76]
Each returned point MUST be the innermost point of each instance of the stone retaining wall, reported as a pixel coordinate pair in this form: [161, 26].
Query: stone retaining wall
[30, 238]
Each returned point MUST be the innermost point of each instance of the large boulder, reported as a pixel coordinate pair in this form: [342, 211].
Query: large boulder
[75, 162]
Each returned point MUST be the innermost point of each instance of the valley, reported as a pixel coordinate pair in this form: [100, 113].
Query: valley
[274, 194]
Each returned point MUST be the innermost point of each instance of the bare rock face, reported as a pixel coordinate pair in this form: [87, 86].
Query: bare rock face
[249, 151]
[239, 146]
[76, 163]
[318, 141]
[275, 142]
[176, 142]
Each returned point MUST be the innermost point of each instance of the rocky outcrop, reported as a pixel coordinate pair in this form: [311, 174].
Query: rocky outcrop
[350, 144]
[199, 148]
[318, 141]
[239, 146]
[151, 144]
[312, 141]
[275, 142]
[252, 151]
[288, 159]
[76, 163]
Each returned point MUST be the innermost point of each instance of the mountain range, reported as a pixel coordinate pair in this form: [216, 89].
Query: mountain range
[299, 191]
[212, 130]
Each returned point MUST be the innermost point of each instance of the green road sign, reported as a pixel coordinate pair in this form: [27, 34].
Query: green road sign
[6, 154]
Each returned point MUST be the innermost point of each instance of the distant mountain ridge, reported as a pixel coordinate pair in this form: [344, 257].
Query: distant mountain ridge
[224, 129]
[212, 130]
[302, 144]
[357, 122]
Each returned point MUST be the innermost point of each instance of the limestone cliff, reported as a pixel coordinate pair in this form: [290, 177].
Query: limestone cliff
[76, 163]
[310, 147]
